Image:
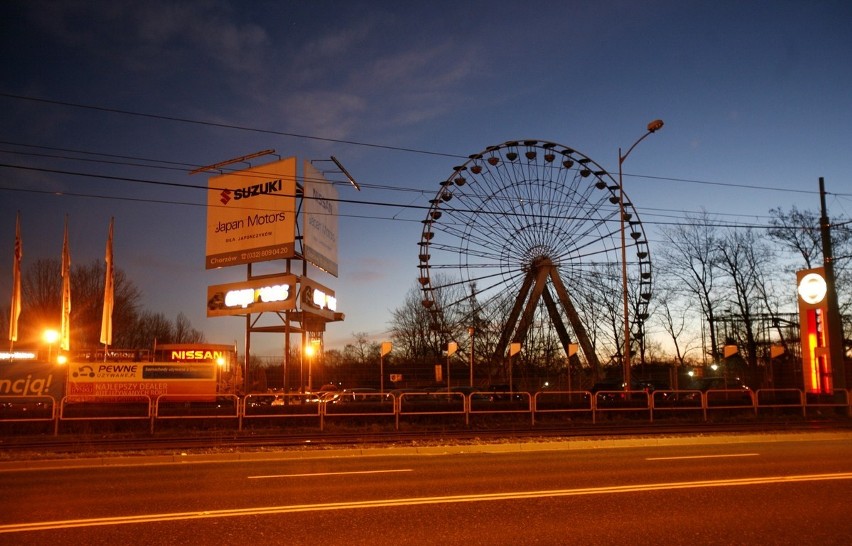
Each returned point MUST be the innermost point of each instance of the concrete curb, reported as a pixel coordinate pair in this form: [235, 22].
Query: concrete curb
[296, 454]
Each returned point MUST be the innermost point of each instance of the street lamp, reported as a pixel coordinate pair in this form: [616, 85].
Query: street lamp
[50, 337]
[653, 127]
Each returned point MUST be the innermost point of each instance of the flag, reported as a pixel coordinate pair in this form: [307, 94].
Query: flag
[106, 322]
[65, 328]
[16, 282]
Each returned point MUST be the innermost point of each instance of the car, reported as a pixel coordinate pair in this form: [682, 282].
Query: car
[501, 393]
[705, 384]
[617, 384]
[360, 394]
[25, 407]
[720, 389]
[609, 389]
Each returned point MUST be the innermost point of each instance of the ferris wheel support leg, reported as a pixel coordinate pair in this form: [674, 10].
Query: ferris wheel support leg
[577, 324]
[509, 327]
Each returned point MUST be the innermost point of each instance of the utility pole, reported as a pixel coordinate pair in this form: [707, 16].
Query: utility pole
[837, 350]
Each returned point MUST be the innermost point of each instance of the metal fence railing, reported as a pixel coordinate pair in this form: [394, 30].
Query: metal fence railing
[419, 406]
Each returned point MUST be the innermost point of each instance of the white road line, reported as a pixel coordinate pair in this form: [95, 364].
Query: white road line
[317, 474]
[387, 503]
[703, 456]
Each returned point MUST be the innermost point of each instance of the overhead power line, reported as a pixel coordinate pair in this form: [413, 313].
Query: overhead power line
[344, 141]
[183, 167]
[224, 125]
[690, 222]
[179, 166]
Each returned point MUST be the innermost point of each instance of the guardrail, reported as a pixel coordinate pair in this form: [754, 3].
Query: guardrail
[412, 406]
[281, 406]
[196, 406]
[360, 405]
[104, 408]
[22, 409]
[431, 403]
[683, 402]
[564, 402]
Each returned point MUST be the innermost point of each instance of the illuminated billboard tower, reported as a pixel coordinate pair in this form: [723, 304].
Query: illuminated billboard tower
[815, 331]
[253, 215]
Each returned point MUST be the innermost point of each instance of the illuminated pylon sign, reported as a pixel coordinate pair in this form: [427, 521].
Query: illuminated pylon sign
[814, 331]
[263, 294]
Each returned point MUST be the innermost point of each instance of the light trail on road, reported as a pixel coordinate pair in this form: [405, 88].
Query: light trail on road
[391, 503]
[721, 456]
[323, 474]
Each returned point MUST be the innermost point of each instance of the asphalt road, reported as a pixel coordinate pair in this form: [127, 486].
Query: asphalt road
[774, 489]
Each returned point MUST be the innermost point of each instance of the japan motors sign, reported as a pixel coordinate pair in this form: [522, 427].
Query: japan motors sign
[320, 220]
[251, 215]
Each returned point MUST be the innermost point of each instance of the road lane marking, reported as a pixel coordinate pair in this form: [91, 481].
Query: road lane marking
[314, 474]
[390, 503]
[702, 456]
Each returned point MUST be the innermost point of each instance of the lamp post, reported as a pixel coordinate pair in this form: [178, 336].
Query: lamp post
[310, 351]
[471, 331]
[653, 127]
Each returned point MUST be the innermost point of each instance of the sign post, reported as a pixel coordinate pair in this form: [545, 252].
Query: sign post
[387, 347]
[452, 347]
[514, 349]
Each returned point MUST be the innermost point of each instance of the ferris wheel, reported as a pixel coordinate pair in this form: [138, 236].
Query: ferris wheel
[531, 229]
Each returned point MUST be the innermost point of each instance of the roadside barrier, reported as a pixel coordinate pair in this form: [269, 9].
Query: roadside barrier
[360, 405]
[281, 406]
[431, 403]
[564, 402]
[196, 406]
[135, 407]
[418, 406]
[27, 409]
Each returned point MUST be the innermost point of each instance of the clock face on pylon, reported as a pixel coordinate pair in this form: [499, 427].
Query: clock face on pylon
[812, 288]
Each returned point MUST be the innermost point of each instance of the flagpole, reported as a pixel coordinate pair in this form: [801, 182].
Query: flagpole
[109, 296]
[15, 309]
[65, 323]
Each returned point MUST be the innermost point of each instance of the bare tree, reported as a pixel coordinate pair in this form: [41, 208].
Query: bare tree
[362, 351]
[799, 232]
[607, 313]
[150, 329]
[743, 259]
[87, 296]
[410, 327]
[690, 256]
[675, 321]
[184, 332]
[41, 286]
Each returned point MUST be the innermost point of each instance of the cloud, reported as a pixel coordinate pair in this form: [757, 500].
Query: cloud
[153, 36]
[289, 72]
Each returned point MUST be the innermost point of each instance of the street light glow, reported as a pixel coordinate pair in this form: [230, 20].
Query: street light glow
[50, 336]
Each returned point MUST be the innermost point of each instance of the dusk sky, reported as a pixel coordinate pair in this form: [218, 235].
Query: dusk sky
[756, 97]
